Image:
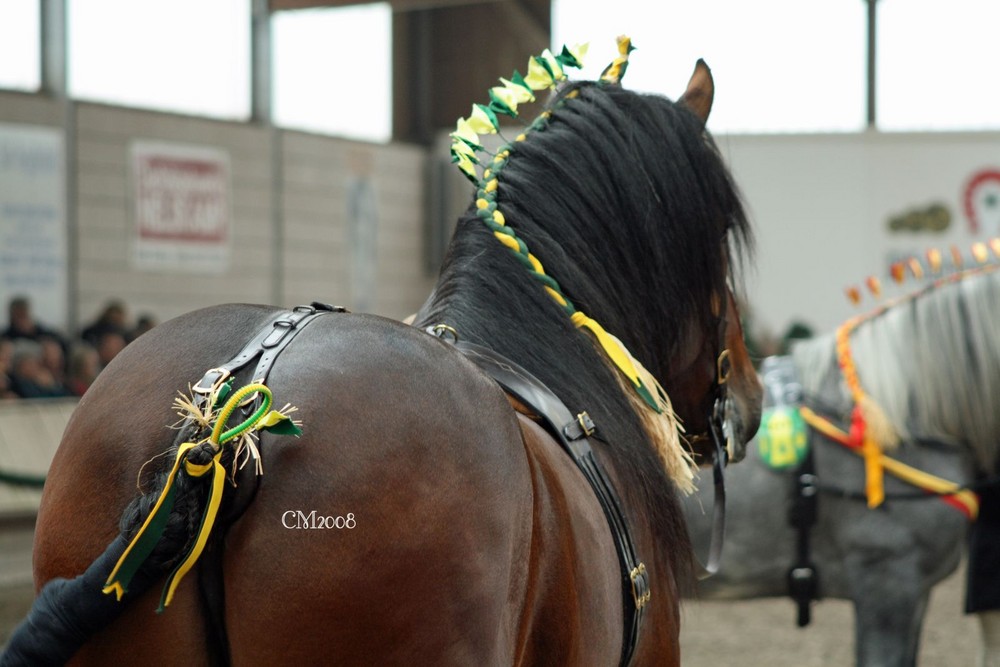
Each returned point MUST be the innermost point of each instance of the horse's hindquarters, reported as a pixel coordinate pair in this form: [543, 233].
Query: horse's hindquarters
[392, 531]
[413, 522]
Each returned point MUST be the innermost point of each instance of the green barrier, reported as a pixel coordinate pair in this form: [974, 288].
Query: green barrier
[21, 479]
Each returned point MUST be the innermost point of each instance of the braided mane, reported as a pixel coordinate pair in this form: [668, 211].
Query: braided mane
[626, 203]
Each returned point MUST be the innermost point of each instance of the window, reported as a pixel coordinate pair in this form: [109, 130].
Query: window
[20, 45]
[186, 56]
[937, 65]
[778, 65]
[333, 71]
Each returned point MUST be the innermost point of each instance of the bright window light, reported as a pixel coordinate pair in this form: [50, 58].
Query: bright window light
[778, 65]
[186, 56]
[333, 71]
[937, 65]
[20, 40]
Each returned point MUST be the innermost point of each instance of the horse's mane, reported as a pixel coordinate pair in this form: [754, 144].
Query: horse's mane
[626, 202]
[931, 362]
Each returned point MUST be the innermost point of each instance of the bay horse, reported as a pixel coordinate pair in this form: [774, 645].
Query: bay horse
[424, 516]
[931, 361]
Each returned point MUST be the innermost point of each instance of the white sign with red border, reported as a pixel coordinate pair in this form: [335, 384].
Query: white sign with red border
[182, 207]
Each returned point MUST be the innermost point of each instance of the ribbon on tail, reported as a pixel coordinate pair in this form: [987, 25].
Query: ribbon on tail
[142, 545]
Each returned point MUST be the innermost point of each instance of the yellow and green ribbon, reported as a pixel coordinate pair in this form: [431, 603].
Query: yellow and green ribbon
[142, 545]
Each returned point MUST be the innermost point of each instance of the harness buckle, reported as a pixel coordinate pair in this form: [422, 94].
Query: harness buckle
[640, 585]
[723, 367]
[581, 427]
[211, 381]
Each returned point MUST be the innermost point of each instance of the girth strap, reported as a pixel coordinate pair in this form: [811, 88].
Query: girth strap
[572, 433]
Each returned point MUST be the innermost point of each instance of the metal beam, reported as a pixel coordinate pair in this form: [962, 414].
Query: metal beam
[870, 116]
[397, 5]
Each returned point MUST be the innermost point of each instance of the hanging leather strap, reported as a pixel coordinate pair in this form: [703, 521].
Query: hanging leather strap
[572, 433]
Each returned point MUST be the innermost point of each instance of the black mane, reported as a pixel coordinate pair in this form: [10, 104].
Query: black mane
[626, 202]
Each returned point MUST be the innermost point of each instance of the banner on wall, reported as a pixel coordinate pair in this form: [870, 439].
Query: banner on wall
[33, 253]
[182, 208]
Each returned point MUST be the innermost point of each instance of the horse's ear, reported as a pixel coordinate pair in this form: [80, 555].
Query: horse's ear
[700, 91]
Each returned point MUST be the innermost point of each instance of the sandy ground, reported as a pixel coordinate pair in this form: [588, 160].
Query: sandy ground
[756, 633]
[762, 633]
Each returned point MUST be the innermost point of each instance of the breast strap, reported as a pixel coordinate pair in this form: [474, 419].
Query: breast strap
[572, 433]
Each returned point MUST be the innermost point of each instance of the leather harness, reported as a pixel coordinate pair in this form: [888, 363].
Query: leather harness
[571, 432]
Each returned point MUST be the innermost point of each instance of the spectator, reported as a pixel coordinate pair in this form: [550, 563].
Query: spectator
[797, 330]
[22, 324]
[112, 318]
[30, 377]
[142, 325]
[108, 345]
[83, 366]
[53, 358]
[6, 358]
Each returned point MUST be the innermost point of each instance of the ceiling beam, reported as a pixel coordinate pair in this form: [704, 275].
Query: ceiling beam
[397, 5]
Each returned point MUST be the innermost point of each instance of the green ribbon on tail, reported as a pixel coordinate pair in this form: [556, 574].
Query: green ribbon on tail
[142, 545]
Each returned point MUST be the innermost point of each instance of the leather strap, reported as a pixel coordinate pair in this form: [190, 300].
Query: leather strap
[572, 433]
[718, 534]
[266, 344]
[803, 577]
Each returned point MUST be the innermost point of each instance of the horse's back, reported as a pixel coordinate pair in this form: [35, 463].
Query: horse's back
[405, 524]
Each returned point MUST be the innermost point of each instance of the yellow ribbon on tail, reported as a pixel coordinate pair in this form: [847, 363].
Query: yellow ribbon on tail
[142, 545]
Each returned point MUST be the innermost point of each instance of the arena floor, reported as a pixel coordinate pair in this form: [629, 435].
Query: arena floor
[762, 633]
[757, 633]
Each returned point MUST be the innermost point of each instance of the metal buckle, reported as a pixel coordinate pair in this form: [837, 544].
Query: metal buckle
[586, 423]
[443, 331]
[723, 367]
[640, 585]
[214, 384]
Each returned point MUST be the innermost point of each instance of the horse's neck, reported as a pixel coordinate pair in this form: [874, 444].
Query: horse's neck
[516, 318]
[929, 371]
[822, 384]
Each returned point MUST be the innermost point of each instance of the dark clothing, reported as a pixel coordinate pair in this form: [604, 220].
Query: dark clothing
[982, 584]
[26, 388]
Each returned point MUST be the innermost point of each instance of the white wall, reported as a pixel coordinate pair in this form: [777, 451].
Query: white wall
[821, 204]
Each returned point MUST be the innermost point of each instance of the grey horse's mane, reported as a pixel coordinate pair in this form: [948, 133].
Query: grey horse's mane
[931, 361]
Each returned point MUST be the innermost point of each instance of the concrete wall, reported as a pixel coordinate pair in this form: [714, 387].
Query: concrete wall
[312, 217]
[321, 218]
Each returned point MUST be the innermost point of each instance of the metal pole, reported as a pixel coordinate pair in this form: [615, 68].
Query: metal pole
[55, 31]
[262, 110]
[872, 29]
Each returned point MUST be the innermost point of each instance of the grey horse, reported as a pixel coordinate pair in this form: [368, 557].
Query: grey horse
[931, 362]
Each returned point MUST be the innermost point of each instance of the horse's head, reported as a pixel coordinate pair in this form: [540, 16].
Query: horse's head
[712, 381]
[622, 213]
[715, 386]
